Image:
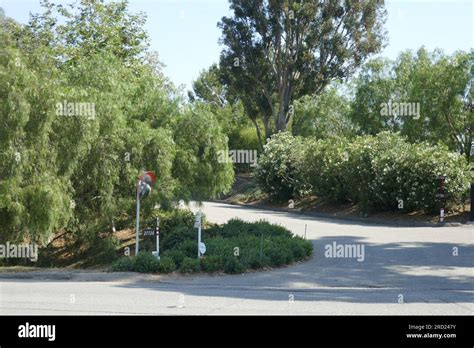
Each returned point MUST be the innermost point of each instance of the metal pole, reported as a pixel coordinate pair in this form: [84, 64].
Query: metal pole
[442, 196]
[198, 220]
[138, 219]
[471, 214]
[158, 237]
[441, 213]
[199, 240]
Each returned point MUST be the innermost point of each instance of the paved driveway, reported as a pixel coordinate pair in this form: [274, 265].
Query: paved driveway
[416, 270]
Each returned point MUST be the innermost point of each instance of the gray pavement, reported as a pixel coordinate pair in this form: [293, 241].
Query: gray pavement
[405, 270]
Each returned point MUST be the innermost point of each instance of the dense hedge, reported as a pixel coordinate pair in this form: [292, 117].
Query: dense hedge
[145, 262]
[233, 248]
[278, 165]
[378, 172]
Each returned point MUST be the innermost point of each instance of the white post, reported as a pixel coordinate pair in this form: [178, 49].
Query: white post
[198, 221]
[138, 219]
[199, 240]
[157, 238]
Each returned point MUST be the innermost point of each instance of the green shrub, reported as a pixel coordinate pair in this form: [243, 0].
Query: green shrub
[243, 138]
[377, 172]
[386, 169]
[307, 246]
[173, 218]
[253, 259]
[233, 266]
[190, 265]
[166, 265]
[99, 250]
[298, 249]
[232, 228]
[146, 263]
[266, 229]
[323, 169]
[237, 227]
[278, 166]
[178, 235]
[276, 255]
[176, 255]
[220, 246]
[124, 264]
[188, 248]
[212, 263]
[259, 244]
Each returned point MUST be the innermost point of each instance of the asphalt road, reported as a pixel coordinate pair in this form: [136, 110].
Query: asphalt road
[418, 270]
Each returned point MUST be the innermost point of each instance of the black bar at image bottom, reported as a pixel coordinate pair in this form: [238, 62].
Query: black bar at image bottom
[237, 330]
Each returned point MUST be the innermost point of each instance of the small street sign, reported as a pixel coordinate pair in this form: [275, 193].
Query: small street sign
[197, 221]
[149, 232]
[202, 248]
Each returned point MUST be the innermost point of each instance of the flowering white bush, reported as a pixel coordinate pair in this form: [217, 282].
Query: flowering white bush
[278, 166]
[378, 172]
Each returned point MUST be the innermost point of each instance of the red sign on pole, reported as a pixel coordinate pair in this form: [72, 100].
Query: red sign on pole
[149, 177]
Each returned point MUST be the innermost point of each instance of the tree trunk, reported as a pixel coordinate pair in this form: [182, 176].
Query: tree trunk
[281, 120]
[268, 128]
[259, 134]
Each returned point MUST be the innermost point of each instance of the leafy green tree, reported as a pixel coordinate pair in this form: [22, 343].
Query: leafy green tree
[227, 108]
[75, 170]
[438, 85]
[208, 88]
[34, 198]
[277, 51]
[88, 27]
[199, 139]
[323, 116]
[441, 84]
[373, 87]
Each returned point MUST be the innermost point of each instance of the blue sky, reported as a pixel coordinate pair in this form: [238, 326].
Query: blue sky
[185, 35]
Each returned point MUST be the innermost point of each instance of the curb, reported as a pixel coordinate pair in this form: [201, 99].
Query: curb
[367, 221]
[80, 276]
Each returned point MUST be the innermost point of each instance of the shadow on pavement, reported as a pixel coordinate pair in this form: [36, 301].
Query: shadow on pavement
[421, 272]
